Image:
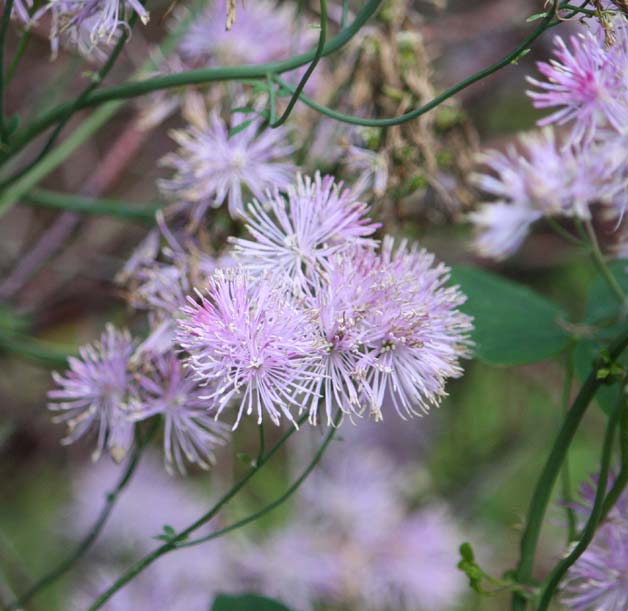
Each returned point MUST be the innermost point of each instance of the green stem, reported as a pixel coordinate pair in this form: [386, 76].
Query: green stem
[615, 492]
[284, 497]
[96, 529]
[565, 472]
[439, 99]
[562, 567]
[35, 350]
[317, 56]
[579, 9]
[44, 198]
[96, 80]
[551, 470]
[4, 25]
[600, 263]
[25, 38]
[200, 76]
[171, 545]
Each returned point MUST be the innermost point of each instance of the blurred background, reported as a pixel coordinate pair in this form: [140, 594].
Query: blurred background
[379, 524]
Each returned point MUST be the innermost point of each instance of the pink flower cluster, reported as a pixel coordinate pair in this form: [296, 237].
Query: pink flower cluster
[580, 175]
[314, 314]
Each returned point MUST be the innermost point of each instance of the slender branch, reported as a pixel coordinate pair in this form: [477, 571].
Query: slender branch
[43, 198]
[565, 472]
[96, 80]
[551, 470]
[600, 263]
[278, 501]
[171, 545]
[4, 25]
[96, 529]
[621, 480]
[200, 76]
[310, 70]
[562, 567]
[25, 38]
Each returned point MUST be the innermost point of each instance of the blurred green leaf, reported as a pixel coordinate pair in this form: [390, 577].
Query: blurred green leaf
[513, 324]
[246, 602]
[240, 127]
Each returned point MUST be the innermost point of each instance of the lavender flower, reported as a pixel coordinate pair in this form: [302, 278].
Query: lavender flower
[599, 578]
[544, 179]
[191, 431]
[246, 338]
[371, 168]
[264, 32]
[211, 167]
[420, 334]
[88, 25]
[96, 391]
[297, 237]
[586, 83]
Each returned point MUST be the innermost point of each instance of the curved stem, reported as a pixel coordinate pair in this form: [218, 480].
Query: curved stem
[562, 567]
[600, 263]
[77, 203]
[319, 52]
[565, 472]
[200, 76]
[278, 501]
[439, 99]
[96, 529]
[97, 79]
[4, 26]
[551, 470]
[25, 38]
[171, 545]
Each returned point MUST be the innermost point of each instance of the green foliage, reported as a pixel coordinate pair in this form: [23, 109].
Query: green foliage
[602, 304]
[513, 324]
[246, 602]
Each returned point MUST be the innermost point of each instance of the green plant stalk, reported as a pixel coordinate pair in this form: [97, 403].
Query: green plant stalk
[551, 470]
[4, 25]
[439, 99]
[25, 38]
[171, 545]
[18, 189]
[565, 472]
[586, 537]
[621, 480]
[278, 501]
[310, 70]
[200, 76]
[95, 83]
[600, 263]
[43, 198]
[35, 350]
[96, 529]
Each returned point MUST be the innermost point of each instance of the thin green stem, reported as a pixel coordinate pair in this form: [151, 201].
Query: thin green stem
[551, 470]
[579, 9]
[200, 76]
[278, 501]
[171, 545]
[565, 471]
[345, 14]
[439, 99]
[600, 263]
[588, 532]
[96, 80]
[4, 25]
[25, 38]
[619, 485]
[43, 198]
[92, 535]
[310, 70]
[262, 443]
[34, 350]
[621, 480]
[561, 231]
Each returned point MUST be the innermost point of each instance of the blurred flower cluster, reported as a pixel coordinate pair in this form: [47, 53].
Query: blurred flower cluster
[351, 540]
[575, 167]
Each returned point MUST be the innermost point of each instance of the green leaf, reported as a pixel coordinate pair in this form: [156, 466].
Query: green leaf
[536, 17]
[240, 127]
[602, 303]
[513, 324]
[246, 602]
